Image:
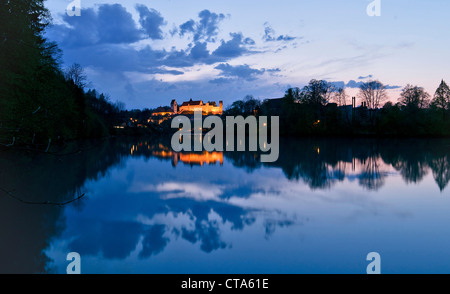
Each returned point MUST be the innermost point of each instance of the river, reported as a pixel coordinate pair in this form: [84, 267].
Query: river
[321, 208]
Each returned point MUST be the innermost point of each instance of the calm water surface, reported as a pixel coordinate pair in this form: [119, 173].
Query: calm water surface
[321, 208]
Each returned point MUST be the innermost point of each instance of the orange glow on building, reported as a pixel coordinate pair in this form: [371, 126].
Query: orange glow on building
[161, 114]
[207, 108]
[202, 158]
[191, 158]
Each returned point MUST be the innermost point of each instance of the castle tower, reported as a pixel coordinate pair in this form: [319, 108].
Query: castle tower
[174, 106]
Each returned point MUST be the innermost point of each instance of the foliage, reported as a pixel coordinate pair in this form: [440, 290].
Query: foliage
[39, 103]
[414, 115]
[413, 97]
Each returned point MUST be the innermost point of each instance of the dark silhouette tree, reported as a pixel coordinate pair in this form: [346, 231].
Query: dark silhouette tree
[292, 95]
[317, 93]
[75, 73]
[373, 93]
[237, 108]
[39, 104]
[441, 98]
[413, 97]
[340, 97]
[251, 104]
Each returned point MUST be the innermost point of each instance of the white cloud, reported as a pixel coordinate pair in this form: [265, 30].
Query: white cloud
[173, 190]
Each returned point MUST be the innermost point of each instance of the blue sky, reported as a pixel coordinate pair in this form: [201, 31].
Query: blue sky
[146, 53]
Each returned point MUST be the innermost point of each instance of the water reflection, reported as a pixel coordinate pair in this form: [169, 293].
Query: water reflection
[322, 162]
[26, 230]
[143, 198]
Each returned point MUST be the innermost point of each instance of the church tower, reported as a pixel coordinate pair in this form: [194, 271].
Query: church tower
[174, 106]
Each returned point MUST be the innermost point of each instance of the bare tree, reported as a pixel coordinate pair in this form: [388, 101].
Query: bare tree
[373, 93]
[120, 106]
[76, 74]
[340, 97]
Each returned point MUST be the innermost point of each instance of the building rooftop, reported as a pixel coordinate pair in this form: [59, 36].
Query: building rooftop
[192, 103]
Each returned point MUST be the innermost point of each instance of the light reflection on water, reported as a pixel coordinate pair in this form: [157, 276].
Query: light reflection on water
[320, 208]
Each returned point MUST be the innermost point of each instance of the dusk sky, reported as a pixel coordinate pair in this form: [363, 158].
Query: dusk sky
[146, 53]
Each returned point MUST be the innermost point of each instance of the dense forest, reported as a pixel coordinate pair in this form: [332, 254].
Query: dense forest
[41, 103]
[322, 109]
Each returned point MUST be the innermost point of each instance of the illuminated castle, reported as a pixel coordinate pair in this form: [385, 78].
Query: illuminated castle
[192, 106]
[162, 114]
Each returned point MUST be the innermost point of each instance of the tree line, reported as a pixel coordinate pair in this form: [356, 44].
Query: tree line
[321, 108]
[40, 102]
